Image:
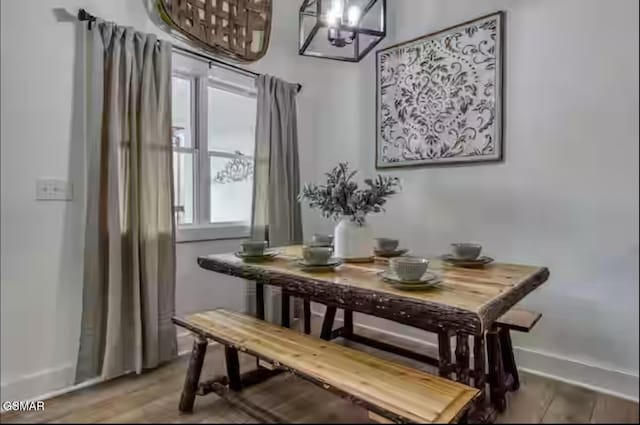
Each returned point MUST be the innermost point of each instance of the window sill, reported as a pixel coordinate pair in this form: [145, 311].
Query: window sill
[185, 234]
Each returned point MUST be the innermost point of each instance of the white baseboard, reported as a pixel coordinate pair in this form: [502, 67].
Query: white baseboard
[594, 377]
[42, 382]
[52, 382]
[549, 365]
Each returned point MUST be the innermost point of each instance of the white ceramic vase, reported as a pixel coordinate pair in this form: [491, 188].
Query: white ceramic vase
[352, 241]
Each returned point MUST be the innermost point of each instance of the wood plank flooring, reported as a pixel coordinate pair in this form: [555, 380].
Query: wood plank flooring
[153, 398]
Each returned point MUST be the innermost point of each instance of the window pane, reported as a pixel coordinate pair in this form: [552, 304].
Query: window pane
[231, 189]
[183, 186]
[231, 121]
[181, 112]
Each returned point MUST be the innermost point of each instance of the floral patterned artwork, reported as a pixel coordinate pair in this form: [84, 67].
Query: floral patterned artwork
[439, 97]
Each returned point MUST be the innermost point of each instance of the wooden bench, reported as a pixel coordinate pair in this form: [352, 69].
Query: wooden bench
[503, 373]
[513, 320]
[387, 389]
[518, 320]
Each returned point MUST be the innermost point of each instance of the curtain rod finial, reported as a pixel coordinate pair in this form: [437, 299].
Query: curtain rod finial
[83, 15]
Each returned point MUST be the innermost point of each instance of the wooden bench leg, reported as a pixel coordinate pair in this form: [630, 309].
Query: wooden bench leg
[233, 368]
[306, 306]
[508, 359]
[462, 358]
[327, 323]
[496, 371]
[444, 354]
[348, 323]
[192, 379]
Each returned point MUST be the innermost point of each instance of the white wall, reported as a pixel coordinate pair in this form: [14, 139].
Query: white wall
[567, 194]
[42, 242]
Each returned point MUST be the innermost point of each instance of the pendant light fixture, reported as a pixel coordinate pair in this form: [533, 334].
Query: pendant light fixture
[341, 29]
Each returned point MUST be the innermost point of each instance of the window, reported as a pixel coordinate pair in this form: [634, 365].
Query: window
[213, 130]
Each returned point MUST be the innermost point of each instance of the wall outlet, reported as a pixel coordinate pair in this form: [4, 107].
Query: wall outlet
[53, 190]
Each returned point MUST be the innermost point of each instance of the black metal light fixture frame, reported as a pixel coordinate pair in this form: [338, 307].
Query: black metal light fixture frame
[356, 30]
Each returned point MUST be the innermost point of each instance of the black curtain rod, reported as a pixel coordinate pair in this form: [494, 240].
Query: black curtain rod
[83, 15]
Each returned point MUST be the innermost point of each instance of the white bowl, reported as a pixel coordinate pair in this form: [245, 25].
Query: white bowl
[408, 268]
[316, 255]
[466, 251]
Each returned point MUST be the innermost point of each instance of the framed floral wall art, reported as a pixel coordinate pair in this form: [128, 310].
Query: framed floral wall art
[439, 97]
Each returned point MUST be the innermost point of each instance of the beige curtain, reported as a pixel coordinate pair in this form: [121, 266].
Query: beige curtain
[277, 171]
[276, 211]
[129, 274]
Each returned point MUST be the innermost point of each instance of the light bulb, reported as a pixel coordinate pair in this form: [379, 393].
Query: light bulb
[334, 16]
[338, 7]
[353, 15]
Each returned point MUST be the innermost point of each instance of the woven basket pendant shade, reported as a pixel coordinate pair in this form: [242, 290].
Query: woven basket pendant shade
[237, 29]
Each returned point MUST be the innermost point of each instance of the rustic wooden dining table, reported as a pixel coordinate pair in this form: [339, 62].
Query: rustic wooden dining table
[463, 305]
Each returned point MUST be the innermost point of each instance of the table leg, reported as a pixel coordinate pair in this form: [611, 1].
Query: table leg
[478, 362]
[444, 354]
[259, 309]
[306, 305]
[233, 368]
[348, 323]
[497, 388]
[260, 301]
[481, 411]
[327, 323]
[285, 310]
[509, 361]
[462, 358]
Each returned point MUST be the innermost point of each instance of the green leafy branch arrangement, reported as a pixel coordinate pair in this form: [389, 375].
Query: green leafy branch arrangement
[341, 197]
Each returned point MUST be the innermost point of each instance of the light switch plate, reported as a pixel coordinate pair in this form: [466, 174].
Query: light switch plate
[53, 190]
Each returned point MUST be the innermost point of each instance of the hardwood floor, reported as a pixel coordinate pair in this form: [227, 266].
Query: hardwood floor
[153, 398]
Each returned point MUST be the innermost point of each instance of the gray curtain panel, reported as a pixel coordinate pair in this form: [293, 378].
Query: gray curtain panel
[129, 273]
[277, 170]
[276, 210]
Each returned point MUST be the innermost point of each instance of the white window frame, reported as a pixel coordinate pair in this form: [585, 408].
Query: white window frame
[202, 229]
